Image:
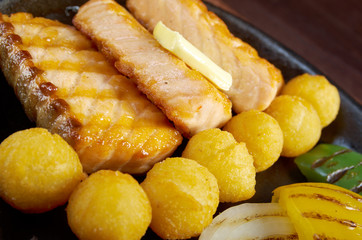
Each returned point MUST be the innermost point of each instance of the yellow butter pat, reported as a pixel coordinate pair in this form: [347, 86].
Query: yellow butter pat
[178, 45]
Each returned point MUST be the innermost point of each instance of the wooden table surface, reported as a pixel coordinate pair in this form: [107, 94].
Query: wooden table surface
[326, 33]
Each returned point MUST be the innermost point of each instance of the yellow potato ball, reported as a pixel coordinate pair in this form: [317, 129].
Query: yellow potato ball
[319, 92]
[228, 160]
[184, 197]
[262, 135]
[39, 170]
[299, 122]
[109, 205]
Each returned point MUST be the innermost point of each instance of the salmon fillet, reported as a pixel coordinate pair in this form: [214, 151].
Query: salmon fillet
[188, 99]
[255, 81]
[68, 87]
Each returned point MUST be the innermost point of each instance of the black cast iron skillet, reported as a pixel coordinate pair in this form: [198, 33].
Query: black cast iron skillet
[345, 130]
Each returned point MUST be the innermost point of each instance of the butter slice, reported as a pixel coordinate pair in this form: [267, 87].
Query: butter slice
[183, 49]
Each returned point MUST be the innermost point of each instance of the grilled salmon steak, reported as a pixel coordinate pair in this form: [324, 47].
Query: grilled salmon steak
[68, 87]
[255, 81]
[184, 95]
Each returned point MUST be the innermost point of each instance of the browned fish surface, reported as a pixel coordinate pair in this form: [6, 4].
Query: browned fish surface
[68, 87]
[185, 96]
[255, 81]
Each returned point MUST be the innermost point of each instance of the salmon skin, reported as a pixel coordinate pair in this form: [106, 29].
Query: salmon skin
[188, 99]
[68, 87]
[256, 82]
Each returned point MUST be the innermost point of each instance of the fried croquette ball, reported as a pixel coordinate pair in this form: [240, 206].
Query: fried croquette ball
[184, 197]
[228, 160]
[317, 90]
[109, 205]
[299, 122]
[262, 135]
[39, 170]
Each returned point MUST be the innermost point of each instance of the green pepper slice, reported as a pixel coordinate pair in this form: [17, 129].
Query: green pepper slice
[332, 164]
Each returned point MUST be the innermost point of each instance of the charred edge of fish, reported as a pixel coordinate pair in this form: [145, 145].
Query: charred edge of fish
[16, 57]
[29, 74]
[21, 85]
[59, 105]
[325, 217]
[343, 191]
[5, 27]
[48, 88]
[21, 56]
[321, 161]
[14, 39]
[11, 54]
[68, 129]
[74, 126]
[324, 198]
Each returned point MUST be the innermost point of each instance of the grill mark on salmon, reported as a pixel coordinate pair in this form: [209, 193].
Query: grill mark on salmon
[70, 59]
[184, 95]
[68, 87]
[255, 81]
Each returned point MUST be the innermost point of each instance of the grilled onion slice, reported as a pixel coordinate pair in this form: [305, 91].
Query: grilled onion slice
[251, 221]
